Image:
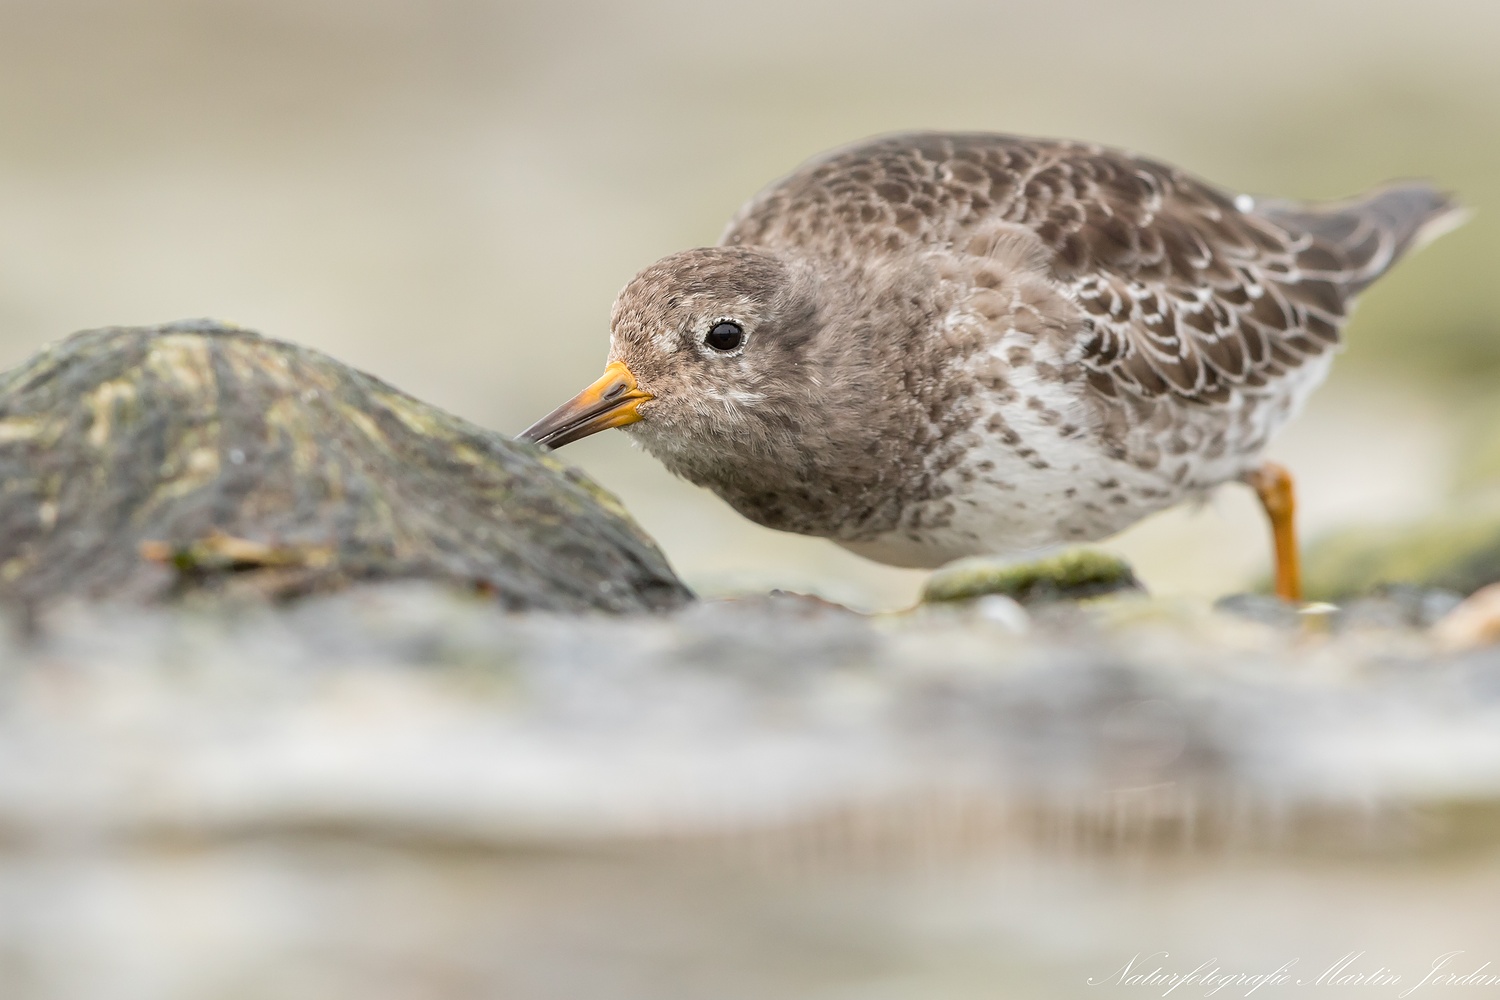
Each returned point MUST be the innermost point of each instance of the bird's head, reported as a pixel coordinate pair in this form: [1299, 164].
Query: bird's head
[709, 348]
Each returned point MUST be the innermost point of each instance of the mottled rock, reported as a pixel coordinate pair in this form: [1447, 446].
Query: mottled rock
[1071, 575]
[139, 463]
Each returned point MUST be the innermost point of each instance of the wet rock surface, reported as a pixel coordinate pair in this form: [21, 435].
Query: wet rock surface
[402, 790]
[139, 463]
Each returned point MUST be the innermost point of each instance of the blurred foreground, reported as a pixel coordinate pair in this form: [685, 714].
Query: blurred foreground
[402, 792]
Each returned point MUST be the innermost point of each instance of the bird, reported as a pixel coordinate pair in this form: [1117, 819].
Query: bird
[927, 345]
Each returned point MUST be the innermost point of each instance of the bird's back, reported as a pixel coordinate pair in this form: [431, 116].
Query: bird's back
[1185, 290]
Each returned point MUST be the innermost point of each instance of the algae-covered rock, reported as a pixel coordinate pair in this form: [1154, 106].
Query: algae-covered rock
[1071, 575]
[1459, 552]
[141, 462]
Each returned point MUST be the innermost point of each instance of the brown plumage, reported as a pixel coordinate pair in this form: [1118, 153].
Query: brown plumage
[1137, 242]
[954, 344]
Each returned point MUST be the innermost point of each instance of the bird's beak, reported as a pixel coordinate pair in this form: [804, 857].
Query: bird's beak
[610, 402]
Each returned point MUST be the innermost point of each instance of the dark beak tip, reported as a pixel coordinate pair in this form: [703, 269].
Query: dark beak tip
[610, 402]
[544, 431]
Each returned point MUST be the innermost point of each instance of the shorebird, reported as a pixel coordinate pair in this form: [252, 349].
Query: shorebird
[933, 345]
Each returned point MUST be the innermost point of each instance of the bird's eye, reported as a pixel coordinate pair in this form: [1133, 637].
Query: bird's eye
[725, 336]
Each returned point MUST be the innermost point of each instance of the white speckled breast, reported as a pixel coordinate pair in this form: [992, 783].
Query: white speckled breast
[1036, 487]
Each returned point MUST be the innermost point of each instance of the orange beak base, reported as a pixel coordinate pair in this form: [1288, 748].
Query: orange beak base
[610, 402]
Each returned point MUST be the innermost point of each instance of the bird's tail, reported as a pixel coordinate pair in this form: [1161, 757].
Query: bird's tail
[1373, 230]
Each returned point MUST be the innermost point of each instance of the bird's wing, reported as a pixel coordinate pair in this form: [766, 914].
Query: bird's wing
[1183, 289]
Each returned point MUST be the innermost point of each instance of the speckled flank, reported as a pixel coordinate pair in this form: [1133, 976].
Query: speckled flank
[971, 343]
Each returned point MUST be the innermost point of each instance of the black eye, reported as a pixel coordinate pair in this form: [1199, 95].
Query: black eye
[725, 336]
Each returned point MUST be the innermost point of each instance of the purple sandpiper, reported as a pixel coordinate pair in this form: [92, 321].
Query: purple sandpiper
[934, 345]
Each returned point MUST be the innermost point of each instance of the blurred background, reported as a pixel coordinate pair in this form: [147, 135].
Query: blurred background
[448, 194]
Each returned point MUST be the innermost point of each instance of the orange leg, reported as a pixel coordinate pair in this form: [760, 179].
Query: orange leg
[1273, 484]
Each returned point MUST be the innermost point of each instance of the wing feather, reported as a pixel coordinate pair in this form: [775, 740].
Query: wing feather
[1182, 288]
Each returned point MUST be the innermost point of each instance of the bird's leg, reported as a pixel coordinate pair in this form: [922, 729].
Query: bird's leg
[1273, 484]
